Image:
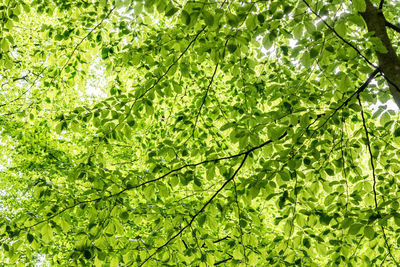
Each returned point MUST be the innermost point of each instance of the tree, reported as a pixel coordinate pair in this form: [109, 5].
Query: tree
[222, 133]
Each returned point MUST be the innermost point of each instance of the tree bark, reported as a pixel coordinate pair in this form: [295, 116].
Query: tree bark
[389, 63]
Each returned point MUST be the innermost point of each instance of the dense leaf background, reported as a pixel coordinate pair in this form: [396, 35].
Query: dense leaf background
[200, 133]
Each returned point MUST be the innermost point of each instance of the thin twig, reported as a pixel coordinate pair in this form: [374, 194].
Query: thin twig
[344, 164]
[370, 152]
[239, 217]
[204, 98]
[161, 77]
[197, 213]
[222, 261]
[374, 178]
[85, 37]
[356, 248]
[339, 36]
[26, 91]
[294, 216]
[152, 180]
[358, 91]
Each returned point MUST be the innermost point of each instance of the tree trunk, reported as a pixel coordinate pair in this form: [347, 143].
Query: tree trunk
[389, 63]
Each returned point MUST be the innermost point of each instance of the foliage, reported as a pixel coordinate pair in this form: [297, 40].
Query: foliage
[220, 133]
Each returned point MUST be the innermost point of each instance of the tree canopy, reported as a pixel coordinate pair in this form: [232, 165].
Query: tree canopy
[201, 133]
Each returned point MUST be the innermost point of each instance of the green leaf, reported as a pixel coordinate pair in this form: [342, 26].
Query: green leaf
[355, 107]
[124, 215]
[171, 12]
[369, 232]
[121, 3]
[104, 52]
[208, 18]
[251, 22]
[329, 171]
[87, 254]
[114, 261]
[254, 191]
[232, 19]
[47, 233]
[9, 24]
[298, 31]
[29, 237]
[306, 60]
[201, 220]
[292, 164]
[99, 37]
[5, 46]
[232, 48]
[359, 5]
[211, 172]
[267, 42]
[355, 228]
[174, 110]
[341, 28]
[397, 220]
[185, 17]
[397, 132]
[237, 253]
[275, 132]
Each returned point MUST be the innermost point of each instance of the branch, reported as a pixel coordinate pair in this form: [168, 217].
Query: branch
[58, 213]
[221, 239]
[389, 63]
[161, 77]
[26, 91]
[246, 153]
[240, 227]
[381, 4]
[204, 98]
[66, 63]
[374, 178]
[84, 38]
[359, 90]
[355, 249]
[203, 162]
[223, 261]
[369, 150]
[198, 213]
[294, 214]
[344, 162]
[392, 26]
[382, 67]
[340, 37]
[165, 73]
